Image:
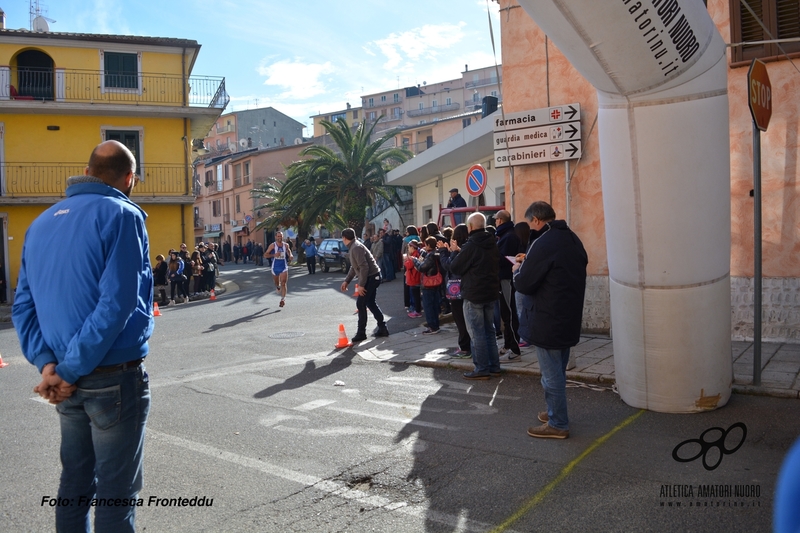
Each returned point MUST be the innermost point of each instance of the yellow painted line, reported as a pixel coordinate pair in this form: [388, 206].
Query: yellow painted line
[534, 501]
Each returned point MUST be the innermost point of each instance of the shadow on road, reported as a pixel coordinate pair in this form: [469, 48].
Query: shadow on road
[241, 320]
[310, 374]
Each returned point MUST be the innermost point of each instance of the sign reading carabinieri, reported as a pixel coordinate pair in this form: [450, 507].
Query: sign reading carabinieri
[537, 136]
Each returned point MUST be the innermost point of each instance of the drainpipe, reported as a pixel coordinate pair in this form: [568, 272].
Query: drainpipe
[660, 71]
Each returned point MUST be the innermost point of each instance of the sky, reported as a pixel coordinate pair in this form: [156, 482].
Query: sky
[302, 57]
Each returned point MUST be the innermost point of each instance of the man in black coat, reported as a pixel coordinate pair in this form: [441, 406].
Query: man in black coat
[477, 263]
[508, 244]
[553, 274]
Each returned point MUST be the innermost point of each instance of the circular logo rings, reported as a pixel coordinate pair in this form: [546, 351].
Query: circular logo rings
[706, 446]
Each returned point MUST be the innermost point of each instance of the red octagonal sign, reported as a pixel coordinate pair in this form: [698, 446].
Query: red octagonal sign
[759, 94]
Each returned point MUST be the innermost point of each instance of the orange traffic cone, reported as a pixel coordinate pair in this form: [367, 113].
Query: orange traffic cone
[213, 295]
[2, 364]
[355, 293]
[156, 312]
[344, 342]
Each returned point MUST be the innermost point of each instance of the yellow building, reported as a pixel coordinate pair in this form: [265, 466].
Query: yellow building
[63, 93]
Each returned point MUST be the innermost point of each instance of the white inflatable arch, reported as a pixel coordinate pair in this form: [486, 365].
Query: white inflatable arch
[660, 70]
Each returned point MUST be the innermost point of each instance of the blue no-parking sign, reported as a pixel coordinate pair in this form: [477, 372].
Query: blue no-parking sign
[476, 180]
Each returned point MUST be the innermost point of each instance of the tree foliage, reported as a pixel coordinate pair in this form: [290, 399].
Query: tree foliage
[333, 187]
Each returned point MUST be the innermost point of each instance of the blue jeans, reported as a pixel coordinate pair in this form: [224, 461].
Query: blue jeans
[387, 268]
[430, 301]
[102, 446]
[480, 325]
[553, 364]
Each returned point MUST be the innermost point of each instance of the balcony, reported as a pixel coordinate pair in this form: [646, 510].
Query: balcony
[418, 148]
[433, 109]
[481, 82]
[228, 128]
[26, 180]
[97, 87]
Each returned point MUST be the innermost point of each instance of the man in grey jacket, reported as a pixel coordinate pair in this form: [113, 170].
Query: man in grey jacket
[364, 267]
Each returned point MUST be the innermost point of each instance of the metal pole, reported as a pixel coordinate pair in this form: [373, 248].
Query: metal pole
[566, 181]
[757, 248]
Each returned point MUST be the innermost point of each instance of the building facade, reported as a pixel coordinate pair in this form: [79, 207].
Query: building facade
[63, 93]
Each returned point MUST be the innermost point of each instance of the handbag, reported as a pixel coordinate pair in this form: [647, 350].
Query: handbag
[431, 282]
[453, 291]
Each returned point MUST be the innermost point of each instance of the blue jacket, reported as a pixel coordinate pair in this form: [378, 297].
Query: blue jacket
[85, 301]
[311, 249]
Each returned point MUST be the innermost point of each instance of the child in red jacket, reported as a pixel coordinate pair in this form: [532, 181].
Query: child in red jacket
[413, 279]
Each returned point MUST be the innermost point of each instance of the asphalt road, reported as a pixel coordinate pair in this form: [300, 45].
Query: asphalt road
[252, 408]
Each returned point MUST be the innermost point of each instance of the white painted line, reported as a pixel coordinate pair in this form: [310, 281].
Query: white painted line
[338, 431]
[277, 419]
[458, 523]
[395, 419]
[316, 404]
[495, 393]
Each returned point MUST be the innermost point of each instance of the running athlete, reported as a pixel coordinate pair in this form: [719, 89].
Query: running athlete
[281, 254]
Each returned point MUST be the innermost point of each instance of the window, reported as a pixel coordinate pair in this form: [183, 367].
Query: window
[396, 98]
[421, 106]
[274, 123]
[227, 173]
[209, 178]
[237, 175]
[355, 115]
[427, 214]
[396, 112]
[238, 205]
[227, 209]
[219, 177]
[371, 102]
[216, 208]
[339, 116]
[500, 196]
[448, 101]
[372, 115]
[246, 177]
[781, 17]
[131, 139]
[493, 93]
[383, 98]
[466, 122]
[120, 70]
[435, 104]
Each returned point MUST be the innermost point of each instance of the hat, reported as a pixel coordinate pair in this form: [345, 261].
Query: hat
[201, 245]
[453, 190]
[415, 244]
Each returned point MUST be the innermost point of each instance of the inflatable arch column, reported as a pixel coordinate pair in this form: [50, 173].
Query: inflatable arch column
[660, 70]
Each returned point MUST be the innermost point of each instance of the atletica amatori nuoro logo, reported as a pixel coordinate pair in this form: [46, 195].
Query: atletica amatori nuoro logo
[706, 446]
[61, 212]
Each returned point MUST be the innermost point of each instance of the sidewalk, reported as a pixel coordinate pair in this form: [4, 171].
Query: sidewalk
[594, 359]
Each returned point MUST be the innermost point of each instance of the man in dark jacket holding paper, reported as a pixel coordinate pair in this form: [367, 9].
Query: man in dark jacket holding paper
[477, 262]
[553, 273]
[366, 271]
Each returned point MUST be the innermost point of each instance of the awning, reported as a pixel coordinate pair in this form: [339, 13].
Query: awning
[212, 234]
[237, 229]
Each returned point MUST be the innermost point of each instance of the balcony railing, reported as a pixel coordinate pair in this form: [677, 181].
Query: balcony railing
[418, 148]
[97, 87]
[433, 109]
[37, 179]
[481, 82]
[228, 128]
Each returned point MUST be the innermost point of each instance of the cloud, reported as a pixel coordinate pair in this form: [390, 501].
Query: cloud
[301, 80]
[403, 50]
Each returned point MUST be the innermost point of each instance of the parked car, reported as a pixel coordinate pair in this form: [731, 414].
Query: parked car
[333, 252]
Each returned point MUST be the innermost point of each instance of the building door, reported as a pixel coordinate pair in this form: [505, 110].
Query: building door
[35, 75]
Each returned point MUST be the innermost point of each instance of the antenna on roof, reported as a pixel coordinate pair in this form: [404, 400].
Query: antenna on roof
[38, 21]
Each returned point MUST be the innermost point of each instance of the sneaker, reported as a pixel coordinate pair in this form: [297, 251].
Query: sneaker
[414, 314]
[476, 375]
[360, 336]
[523, 344]
[509, 357]
[502, 351]
[543, 418]
[382, 331]
[461, 354]
[546, 431]
[430, 331]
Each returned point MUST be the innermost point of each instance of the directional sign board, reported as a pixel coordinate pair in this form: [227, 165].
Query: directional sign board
[538, 136]
[476, 180]
[760, 94]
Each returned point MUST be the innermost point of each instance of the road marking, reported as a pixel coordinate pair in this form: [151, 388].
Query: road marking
[537, 499]
[395, 419]
[494, 396]
[334, 488]
[337, 431]
[316, 404]
[277, 419]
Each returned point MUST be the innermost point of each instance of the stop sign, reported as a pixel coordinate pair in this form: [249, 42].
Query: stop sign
[759, 94]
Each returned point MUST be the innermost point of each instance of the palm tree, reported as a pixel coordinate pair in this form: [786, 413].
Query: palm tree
[342, 183]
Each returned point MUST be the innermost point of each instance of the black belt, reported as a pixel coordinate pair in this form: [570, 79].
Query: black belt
[122, 366]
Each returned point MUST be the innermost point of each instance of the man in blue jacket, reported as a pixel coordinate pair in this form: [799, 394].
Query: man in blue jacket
[85, 325]
[553, 274]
